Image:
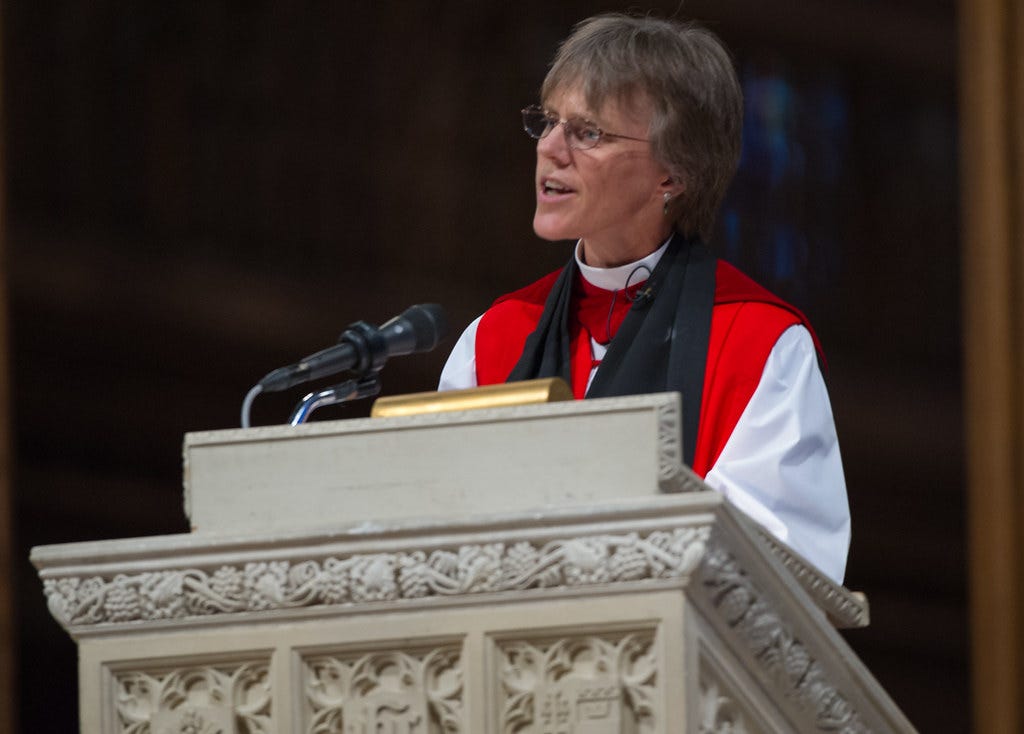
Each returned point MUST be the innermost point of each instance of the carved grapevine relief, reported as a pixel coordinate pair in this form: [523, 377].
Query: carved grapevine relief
[780, 653]
[197, 700]
[390, 692]
[579, 685]
[469, 569]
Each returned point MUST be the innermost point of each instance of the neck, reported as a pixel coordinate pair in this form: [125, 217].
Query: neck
[598, 255]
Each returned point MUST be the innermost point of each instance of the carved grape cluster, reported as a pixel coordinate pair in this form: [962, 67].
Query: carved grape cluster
[628, 562]
[227, 582]
[786, 659]
[334, 582]
[520, 559]
[122, 601]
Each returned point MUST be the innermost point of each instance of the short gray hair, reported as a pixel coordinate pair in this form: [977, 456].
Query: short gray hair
[687, 76]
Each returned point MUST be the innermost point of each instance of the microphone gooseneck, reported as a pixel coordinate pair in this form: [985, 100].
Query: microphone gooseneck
[362, 349]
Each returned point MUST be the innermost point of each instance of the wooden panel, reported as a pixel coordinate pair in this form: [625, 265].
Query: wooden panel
[992, 118]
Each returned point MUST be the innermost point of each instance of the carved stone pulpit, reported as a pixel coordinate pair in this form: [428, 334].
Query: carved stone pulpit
[548, 569]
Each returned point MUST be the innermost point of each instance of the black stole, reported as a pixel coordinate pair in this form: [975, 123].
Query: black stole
[661, 346]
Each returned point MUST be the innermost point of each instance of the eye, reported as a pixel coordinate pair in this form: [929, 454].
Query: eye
[585, 133]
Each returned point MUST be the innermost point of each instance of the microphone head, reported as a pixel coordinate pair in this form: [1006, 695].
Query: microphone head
[419, 328]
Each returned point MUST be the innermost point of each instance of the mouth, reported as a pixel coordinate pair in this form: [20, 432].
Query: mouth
[552, 187]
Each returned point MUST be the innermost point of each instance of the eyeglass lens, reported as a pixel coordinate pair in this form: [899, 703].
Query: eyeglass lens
[578, 133]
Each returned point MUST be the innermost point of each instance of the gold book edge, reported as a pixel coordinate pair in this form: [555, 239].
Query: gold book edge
[528, 392]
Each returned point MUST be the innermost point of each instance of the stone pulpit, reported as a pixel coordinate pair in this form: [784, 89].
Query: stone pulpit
[541, 569]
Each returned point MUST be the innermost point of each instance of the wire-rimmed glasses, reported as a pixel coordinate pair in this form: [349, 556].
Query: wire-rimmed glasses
[580, 134]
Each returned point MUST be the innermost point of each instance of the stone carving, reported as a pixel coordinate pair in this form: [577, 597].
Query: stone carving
[469, 569]
[592, 685]
[384, 692]
[718, 712]
[845, 608]
[782, 655]
[670, 450]
[198, 700]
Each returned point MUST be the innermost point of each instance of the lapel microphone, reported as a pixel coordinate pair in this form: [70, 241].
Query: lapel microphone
[643, 297]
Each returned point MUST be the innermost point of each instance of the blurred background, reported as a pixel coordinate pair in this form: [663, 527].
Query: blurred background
[198, 192]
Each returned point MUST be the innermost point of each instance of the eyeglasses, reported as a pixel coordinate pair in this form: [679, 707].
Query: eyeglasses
[579, 134]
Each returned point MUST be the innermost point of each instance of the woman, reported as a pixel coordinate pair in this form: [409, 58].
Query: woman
[638, 135]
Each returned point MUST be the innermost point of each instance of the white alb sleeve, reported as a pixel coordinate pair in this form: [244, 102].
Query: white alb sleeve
[781, 465]
[459, 371]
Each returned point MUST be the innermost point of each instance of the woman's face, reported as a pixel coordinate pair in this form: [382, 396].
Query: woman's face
[611, 196]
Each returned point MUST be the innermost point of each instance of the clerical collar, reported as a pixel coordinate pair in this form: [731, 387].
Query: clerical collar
[614, 279]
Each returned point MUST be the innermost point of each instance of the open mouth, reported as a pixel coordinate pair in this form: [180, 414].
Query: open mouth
[554, 187]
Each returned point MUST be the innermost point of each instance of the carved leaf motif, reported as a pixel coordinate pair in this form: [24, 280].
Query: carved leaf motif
[521, 667]
[382, 690]
[199, 700]
[442, 673]
[550, 684]
[331, 721]
[718, 713]
[394, 671]
[373, 578]
[518, 712]
[444, 562]
[266, 585]
[328, 681]
[135, 698]
[691, 552]
[443, 681]
[635, 660]
[586, 561]
[558, 661]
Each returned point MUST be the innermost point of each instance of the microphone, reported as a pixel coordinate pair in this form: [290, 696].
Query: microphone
[364, 348]
[643, 297]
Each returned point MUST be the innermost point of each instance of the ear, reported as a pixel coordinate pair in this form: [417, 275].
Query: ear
[673, 185]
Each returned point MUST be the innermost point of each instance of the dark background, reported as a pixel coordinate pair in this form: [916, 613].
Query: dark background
[201, 191]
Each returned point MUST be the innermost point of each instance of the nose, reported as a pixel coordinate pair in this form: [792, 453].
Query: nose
[555, 146]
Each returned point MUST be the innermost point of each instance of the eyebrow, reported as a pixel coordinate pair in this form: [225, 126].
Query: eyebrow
[584, 117]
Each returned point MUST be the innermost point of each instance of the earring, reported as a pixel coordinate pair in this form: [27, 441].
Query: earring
[668, 198]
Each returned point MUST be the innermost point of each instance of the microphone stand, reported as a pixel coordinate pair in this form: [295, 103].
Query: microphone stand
[343, 392]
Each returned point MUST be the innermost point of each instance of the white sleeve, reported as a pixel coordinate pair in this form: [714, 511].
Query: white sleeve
[781, 465]
[460, 370]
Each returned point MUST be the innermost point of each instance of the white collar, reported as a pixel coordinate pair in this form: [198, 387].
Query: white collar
[615, 279]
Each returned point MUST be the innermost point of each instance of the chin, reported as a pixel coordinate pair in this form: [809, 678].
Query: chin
[553, 231]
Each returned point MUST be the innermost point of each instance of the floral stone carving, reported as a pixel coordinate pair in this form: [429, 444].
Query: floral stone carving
[718, 711]
[781, 654]
[469, 569]
[384, 692]
[597, 685]
[197, 700]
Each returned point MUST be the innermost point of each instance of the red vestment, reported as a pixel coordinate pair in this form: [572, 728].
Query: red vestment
[746, 321]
